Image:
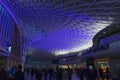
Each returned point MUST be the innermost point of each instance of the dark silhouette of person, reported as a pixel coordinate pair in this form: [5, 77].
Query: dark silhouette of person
[3, 74]
[45, 73]
[80, 73]
[91, 74]
[27, 71]
[101, 73]
[107, 73]
[51, 72]
[69, 72]
[19, 75]
[12, 70]
[60, 72]
[57, 73]
[85, 73]
[32, 72]
[38, 75]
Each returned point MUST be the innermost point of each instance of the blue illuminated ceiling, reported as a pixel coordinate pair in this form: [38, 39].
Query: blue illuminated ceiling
[62, 26]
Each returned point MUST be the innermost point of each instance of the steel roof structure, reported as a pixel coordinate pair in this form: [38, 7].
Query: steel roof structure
[62, 26]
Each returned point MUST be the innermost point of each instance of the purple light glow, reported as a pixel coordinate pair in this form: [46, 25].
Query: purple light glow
[12, 15]
[68, 39]
[67, 28]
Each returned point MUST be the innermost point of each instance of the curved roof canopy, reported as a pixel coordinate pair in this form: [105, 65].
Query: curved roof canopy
[62, 26]
[111, 30]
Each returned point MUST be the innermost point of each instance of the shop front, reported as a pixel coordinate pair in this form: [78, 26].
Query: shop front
[102, 63]
[3, 61]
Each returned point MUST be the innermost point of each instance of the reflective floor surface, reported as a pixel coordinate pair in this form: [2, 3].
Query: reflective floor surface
[29, 77]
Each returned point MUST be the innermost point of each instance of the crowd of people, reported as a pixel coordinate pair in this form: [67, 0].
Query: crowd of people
[49, 73]
[15, 73]
[93, 74]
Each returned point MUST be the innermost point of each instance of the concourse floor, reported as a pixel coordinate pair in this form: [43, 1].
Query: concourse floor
[75, 77]
[29, 77]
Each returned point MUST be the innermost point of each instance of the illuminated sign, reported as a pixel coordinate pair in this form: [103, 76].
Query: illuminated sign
[9, 49]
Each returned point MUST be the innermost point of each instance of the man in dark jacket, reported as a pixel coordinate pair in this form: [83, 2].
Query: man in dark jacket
[19, 75]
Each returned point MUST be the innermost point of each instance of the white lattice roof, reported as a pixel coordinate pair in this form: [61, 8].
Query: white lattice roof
[62, 26]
